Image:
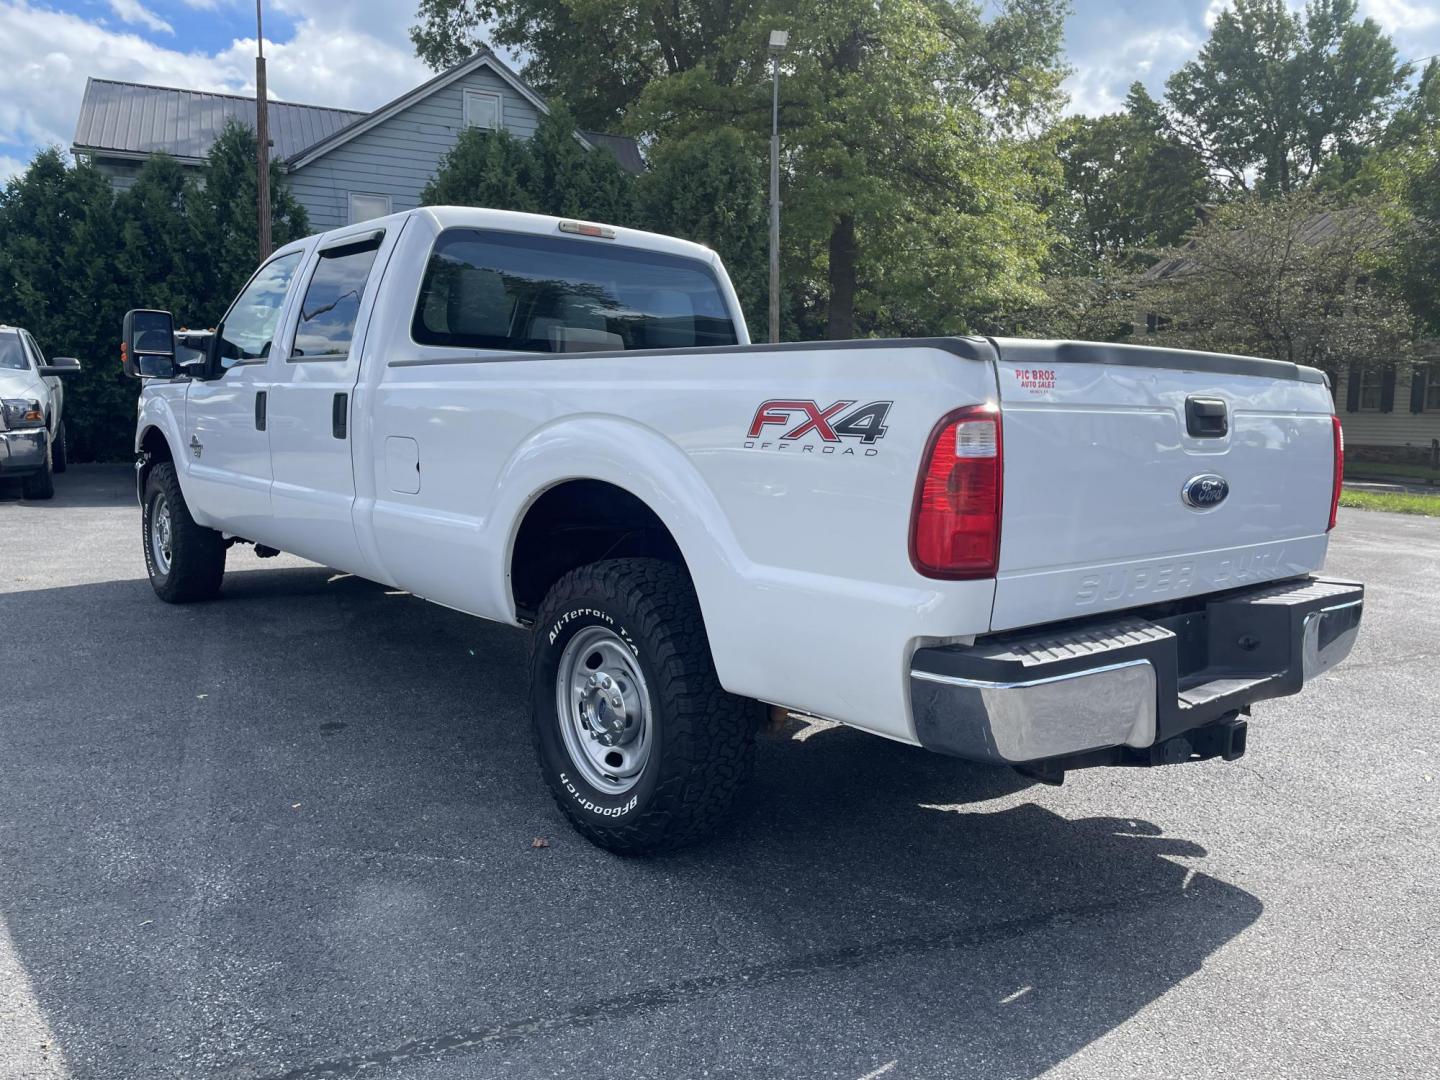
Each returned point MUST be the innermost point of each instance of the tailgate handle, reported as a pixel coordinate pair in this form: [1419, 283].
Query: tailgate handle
[1205, 418]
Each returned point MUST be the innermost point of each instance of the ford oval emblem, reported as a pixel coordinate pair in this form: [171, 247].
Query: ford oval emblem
[1204, 491]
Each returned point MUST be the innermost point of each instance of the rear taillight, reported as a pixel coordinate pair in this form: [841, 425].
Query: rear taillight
[955, 527]
[1339, 472]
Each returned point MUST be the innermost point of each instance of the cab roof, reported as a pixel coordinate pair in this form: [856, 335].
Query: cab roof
[445, 217]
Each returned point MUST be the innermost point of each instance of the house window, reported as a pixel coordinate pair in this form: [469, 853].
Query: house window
[1371, 380]
[363, 206]
[482, 109]
[1432, 387]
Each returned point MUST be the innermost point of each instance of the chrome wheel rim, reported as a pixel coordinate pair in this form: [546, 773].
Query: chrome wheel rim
[603, 706]
[160, 534]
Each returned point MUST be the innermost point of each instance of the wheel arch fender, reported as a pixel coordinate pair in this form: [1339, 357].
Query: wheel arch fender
[156, 421]
[640, 461]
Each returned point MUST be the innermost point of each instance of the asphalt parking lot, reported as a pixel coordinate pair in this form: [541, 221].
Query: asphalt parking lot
[288, 834]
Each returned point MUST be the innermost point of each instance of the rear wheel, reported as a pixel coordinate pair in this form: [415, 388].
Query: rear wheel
[40, 485]
[185, 561]
[60, 449]
[642, 748]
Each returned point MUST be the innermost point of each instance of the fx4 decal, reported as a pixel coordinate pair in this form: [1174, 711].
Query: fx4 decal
[799, 419]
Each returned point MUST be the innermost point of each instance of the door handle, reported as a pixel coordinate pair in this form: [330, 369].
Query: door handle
[260, 410]
[339, 413]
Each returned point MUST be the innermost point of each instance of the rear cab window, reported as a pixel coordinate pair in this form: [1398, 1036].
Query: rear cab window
[518, 292]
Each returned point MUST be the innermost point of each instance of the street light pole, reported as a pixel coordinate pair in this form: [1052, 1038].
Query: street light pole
[262, 140]
[778, 40]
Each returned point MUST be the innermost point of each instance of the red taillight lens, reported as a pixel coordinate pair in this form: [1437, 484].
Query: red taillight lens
[955, 528]
[1339, 472]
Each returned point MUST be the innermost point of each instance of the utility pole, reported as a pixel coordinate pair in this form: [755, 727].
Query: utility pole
[778, 40]
[262, 139]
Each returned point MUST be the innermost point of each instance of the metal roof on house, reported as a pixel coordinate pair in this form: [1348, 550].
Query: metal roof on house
[126, 118]
[625, 149]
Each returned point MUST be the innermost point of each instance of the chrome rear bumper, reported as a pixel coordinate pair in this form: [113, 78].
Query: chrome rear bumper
[1120, 689]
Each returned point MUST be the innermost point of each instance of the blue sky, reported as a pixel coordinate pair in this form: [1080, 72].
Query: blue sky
[355, 53]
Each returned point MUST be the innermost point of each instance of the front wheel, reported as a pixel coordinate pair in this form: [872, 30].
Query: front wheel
[185, 561]
[642, 748]
[60, 449]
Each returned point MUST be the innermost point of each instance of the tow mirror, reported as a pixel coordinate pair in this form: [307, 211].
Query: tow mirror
[61, 365]
[147, 348]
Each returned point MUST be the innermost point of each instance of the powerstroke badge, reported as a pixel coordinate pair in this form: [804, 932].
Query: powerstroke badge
[807, 427]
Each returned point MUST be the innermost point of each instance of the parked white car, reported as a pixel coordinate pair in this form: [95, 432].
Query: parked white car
[1049, 555]
[32, 413]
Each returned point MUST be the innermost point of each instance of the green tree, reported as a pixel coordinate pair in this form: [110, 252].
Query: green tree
[485, 168]
[577, 182]
[222, 218]
[1415, 180]
[710, 188]
[74, 256]
[598, 54]
[913, 176]
[912, 183]
[1130, 185]
[1293, 278]
[551, 173]
[1275, 94]
[59, 234]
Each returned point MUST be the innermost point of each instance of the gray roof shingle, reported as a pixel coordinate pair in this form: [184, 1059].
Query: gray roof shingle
[136, 118]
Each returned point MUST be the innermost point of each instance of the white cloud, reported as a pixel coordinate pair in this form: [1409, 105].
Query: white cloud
[1100, 86]
[1401, 15]
[342, 54]
[137, 14]
[10, 166]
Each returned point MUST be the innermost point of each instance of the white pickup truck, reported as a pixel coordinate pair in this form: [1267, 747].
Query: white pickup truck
[1048, 555]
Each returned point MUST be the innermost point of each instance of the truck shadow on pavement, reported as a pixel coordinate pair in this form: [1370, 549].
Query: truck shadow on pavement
[289, 834]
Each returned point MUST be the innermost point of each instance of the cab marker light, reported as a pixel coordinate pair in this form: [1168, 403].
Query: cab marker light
[584, 228]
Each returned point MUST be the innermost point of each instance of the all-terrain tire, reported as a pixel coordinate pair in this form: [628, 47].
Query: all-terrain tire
[41, 485]
[60, 449]
[702, 747]
[191, 567]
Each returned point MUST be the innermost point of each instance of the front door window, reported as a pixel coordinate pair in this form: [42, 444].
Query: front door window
[249, 327]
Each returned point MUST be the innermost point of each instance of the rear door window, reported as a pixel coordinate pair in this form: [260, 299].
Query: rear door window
[332, 300]
[517, 292]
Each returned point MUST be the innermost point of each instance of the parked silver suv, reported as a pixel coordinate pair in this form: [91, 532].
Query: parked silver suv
[32, 420]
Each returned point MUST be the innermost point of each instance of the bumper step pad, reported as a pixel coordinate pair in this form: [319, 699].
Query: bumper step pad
[1129, 681]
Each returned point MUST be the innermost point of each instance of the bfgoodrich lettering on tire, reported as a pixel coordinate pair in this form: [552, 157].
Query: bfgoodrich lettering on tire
[185, 561]
[642, 748]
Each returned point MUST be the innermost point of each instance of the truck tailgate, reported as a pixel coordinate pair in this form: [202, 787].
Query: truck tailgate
[1099, 456]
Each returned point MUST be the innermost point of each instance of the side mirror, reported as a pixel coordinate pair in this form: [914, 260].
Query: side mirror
[61, 365]
[147, 347]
